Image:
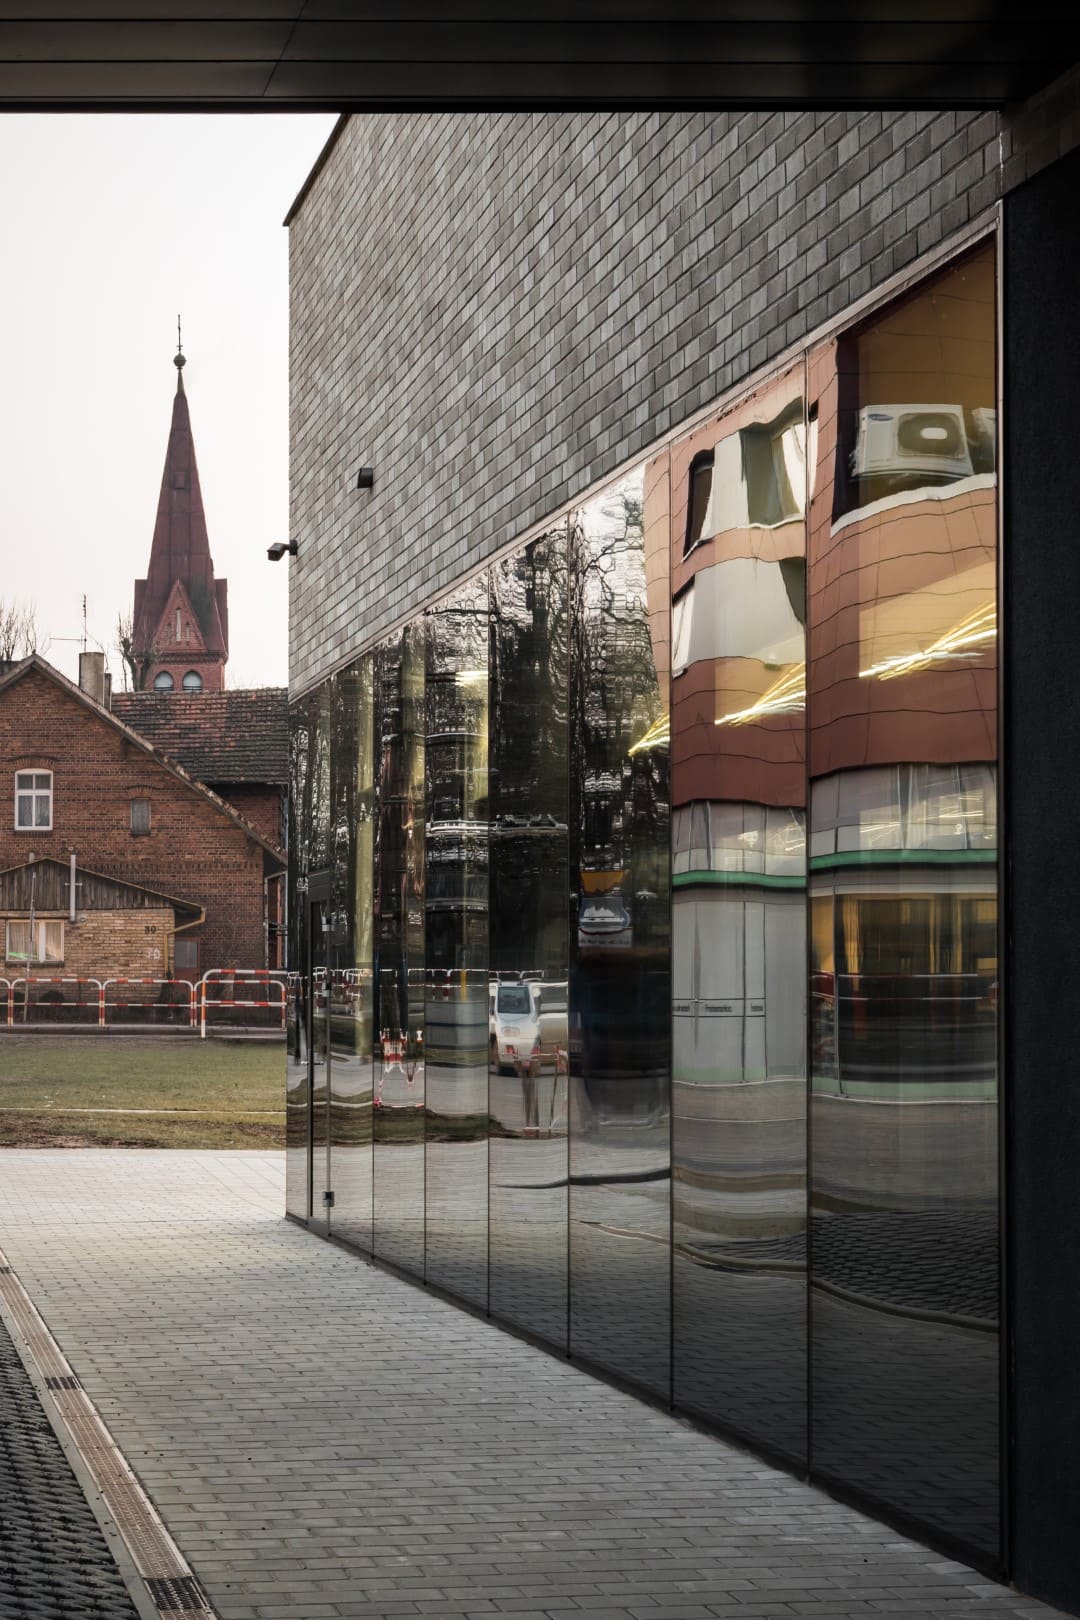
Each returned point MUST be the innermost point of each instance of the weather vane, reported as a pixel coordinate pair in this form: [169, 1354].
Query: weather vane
[180, 361]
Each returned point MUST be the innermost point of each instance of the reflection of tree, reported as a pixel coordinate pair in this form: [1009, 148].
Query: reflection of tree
[398, 833]
[622, 808]
[528, 753]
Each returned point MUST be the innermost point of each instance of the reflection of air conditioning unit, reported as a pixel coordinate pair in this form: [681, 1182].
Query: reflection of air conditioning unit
[929, 441]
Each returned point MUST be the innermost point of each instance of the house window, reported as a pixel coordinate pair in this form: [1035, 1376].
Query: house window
[163, 681]
[192, 681]
[44, 948]
[33, 800]
[140, 815]
[186, 956]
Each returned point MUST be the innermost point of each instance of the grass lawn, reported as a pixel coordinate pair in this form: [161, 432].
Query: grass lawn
[123, 1091]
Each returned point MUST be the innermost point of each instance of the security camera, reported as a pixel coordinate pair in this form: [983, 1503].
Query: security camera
[279, 548]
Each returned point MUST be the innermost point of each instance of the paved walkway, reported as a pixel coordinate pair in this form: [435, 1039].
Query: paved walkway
[323, 1439]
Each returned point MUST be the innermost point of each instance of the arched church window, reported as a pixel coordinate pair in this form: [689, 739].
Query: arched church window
[163, 681]
[192, 681]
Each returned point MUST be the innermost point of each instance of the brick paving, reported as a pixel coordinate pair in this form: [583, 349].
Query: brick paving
[323, 1439]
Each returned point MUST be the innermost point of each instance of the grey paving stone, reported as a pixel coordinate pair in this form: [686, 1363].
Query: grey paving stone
[325, 1440]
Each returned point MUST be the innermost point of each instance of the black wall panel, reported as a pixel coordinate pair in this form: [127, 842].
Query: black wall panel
[1042, 769]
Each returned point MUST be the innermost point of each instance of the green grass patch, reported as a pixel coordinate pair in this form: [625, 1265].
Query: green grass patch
[125, 1091]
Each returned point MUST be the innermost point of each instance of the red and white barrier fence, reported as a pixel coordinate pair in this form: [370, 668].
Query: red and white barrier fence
[254, 978]
[37, 998]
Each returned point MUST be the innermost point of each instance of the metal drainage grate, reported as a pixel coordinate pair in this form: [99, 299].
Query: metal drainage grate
[178, 1594]
[68, 1381]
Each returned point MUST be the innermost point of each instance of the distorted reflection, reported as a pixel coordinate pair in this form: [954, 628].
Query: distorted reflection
[309, 853]
[528, 1033]
[903, 846]
[620, 982]
[738, 951]
[398, 975]
[350, 953]
[456, 914]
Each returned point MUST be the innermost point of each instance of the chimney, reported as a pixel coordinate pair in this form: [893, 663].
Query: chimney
[92, 675]
[108, 690]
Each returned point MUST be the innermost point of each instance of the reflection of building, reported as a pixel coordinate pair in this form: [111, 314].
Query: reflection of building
[730, 769]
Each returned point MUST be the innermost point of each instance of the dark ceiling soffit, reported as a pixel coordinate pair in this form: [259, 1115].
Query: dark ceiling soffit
[478, 55]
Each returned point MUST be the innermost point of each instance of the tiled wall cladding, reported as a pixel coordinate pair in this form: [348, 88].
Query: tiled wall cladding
[496, 311]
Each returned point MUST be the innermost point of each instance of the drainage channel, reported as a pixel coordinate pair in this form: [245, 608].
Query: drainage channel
[160, 1581]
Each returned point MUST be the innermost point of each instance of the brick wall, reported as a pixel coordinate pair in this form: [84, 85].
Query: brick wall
[260, 805]
[109, 944]
[495, 310]
[193, 851]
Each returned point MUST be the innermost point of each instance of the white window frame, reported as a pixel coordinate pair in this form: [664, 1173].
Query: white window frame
[40, 958]
[33, 793]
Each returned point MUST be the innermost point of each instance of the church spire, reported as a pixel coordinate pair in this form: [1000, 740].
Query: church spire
[181, 611]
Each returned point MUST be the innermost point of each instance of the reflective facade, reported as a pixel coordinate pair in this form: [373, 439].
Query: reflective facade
[644, 928]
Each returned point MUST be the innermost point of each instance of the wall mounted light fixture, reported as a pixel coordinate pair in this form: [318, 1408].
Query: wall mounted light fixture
[279, 548]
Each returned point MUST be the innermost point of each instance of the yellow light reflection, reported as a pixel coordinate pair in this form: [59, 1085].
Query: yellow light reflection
[785, 696]
[657, 736]
[969, 633]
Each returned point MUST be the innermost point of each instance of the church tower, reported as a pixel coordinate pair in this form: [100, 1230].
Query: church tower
[181, 618]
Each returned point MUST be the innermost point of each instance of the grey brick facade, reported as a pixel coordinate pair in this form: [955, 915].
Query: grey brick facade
[496, 311]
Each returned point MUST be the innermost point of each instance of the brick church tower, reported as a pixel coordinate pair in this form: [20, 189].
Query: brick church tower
[181, 618]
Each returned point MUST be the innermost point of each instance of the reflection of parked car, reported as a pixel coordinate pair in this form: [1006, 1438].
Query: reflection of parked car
[604, 922]
[513, 1023]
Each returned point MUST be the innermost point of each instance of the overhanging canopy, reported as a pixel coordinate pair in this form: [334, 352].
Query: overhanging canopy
[466, 54]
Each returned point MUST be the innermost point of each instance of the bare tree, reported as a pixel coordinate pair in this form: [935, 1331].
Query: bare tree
[18, 630]
[137, 662]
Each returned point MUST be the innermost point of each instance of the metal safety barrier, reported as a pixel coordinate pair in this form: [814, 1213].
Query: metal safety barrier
[36, 998]
[163, 1002]
[233, 1001]
[53, 998]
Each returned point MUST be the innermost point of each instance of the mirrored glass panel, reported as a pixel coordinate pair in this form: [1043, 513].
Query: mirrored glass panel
[620, 979]
[738, 907]
[350, 954]
[398, 946]
[309, 847]
[903, 879]
[456, 911]
[529, 940]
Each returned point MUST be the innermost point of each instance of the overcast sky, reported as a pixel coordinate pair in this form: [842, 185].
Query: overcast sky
[111, 225]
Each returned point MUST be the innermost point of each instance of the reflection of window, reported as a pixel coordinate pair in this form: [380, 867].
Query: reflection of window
[753, 478]
[33, 800]
[905, 807]
[916, 390]
[163, 681]
[718, 835]
[742, 608]
[774, 467]
[699, 504]
[44, 947]
[192, 681]
[140, 815]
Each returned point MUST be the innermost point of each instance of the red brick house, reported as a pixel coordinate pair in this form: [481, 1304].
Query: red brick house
[84, 784]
